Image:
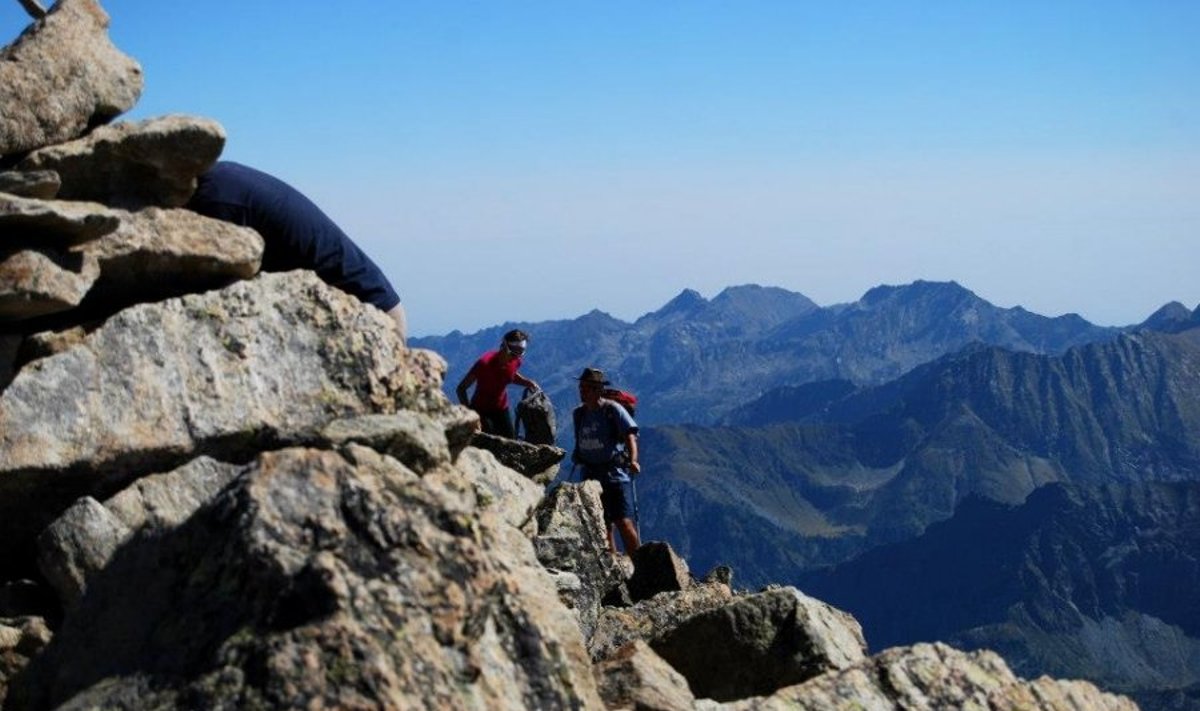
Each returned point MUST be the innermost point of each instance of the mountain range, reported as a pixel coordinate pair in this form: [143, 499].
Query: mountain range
[695, 359]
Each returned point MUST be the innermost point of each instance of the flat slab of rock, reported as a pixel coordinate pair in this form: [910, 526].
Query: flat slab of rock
[134, 164]
[28, 222]
[539, 462]
[61, 76]
[39, 184]
[312, 581]
[36, 282]
[258, 364]
[155, 253]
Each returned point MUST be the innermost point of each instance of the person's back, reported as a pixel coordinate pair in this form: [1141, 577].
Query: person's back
[296, 233]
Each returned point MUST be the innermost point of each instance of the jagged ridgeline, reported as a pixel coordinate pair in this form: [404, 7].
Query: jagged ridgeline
[225, 489]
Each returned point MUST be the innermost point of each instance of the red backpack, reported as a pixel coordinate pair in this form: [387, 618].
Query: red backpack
[624, 398]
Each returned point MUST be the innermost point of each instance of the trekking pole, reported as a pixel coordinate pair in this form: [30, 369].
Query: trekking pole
[637, 517]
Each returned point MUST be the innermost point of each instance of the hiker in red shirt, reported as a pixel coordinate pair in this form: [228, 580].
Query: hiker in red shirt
[491, 375]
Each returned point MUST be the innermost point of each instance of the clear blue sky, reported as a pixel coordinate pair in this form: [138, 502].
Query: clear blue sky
[534, 160]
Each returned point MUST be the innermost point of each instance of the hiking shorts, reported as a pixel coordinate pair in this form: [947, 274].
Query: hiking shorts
[615, 502]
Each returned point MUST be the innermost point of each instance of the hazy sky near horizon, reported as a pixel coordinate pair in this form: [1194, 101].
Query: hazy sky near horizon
[524, 161]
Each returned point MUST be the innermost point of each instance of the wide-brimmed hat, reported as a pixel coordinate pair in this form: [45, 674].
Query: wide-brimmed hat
[592, 375]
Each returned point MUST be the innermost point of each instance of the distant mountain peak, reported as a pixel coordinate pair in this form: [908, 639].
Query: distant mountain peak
[1171, 318]
[919, 289]
[687, 301]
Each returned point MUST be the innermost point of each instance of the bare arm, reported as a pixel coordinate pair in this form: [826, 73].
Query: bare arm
[525, 382]
[463, 384]
[632, 448]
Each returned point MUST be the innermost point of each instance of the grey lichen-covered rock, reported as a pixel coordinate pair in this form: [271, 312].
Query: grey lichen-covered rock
[162, 501]
[460, 424]
[571, 539]
[21, 638]
[650, 619]
[759, 643]
[36, 282]
[932, 676]
[84, 538]
[134, 164]
[637, 678]
[260, 363]
[38, 184]
[79, 542]
[61, 76]
[513, 497]
[311, 583]
[539, 462]
[657, 568]
[414, 438]
[28, 222]
[155, 252]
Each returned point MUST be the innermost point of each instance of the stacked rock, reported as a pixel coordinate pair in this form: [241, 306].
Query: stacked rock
[223, 489]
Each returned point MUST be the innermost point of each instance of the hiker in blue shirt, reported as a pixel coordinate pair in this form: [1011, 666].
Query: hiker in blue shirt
[296, 234]
[606, 448]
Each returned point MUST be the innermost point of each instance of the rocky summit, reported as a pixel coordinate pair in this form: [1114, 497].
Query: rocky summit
[226, 489]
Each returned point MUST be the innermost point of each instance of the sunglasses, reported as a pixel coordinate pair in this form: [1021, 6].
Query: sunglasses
[515, 350]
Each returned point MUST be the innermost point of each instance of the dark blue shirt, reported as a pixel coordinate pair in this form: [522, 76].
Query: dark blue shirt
[297, 235]
[600, 440]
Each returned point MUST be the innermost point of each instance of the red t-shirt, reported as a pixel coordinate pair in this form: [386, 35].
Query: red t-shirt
[492, 378]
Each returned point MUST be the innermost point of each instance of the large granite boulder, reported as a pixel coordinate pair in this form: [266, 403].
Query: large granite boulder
[320, 579]
[759, 643]
[134, 164]
[258, 364]
[62, 76]
[931, 676]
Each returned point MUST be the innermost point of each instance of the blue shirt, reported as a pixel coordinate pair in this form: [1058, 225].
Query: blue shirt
[296, 234]
[600, 437]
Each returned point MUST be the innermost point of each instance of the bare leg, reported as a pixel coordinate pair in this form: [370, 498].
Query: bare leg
[629, 535]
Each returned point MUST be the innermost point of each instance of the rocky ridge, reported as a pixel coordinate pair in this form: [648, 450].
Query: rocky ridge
[251, 494]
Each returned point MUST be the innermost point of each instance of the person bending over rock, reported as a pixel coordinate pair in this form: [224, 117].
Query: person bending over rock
[491, 375]
[296, 234]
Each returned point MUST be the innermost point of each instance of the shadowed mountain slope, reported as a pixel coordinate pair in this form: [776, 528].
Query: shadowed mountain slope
[882, 463]
[1091, 582]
